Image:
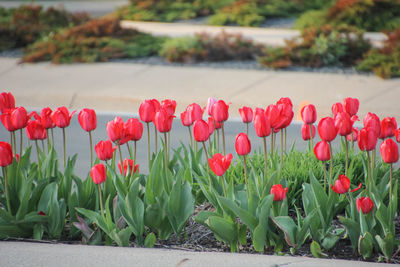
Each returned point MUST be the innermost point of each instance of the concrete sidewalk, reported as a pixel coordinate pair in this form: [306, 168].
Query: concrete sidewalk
[38, 254]
[120, 86]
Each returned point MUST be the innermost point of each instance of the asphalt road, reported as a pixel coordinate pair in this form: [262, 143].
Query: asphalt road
[78, 140]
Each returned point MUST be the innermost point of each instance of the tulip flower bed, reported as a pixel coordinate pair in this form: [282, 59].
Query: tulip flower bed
[275, 201]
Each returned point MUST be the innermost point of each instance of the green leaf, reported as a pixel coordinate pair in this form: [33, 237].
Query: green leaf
[352, 228]
[386, 245]
[247, 218]
[316, 250]
[203, 216]
[259, 236]
[224, 228]
[242, 235]
[150, 240]
[289, 228]
[365, 245]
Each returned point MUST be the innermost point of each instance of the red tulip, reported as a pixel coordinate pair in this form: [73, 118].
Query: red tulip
[147, 110]
[163, 121]
[98, 173]
[35, 130]
[6, 120]
[258, 111]
[389, 151]
[211, 126]
[351, 105]
[388, 126]
[279, 192]
[210, 102]
[185, 119]
[285, 100]
[61, 117]
[247, 114]
[194, 112]
[104, 150]
[7, 102]
[367, 139]
[200, 131]
[219, 111]
[309, 114]
[342, 185]
[116, 129]
[365, 203]
[285, 115]
[397, 135]
[337, 107]
[322, 151]
[132, 167]
[262, 125]
[133, 129]
[371, 120]
[326, 129]
[87, 119]
[343, 123]
[169, 105]
[45, 118]
[355, 135]
[6, 155]
[272, 112]
[19, 117]
[242, 144]
[305, 131]
[220, 164]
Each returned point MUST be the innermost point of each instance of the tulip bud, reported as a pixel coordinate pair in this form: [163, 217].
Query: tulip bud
[7, 102]
[305, 131]
[220, 164]
[272, 112]
[35, 130]
[242, 144]
[247, 114]
[200, 131]
[279, 192]
[336, 108]
[326, 129]
[285, 100]
[343, 123]
[6, 120]
[185, 119]
[388, 126]
[6, 155]
[147, 110]
[98, 173]
[367, 139]
[45, 118]
[104, 150]
[309, 114]
[133, 129]
[351, 105]
[219, 111]
[116, 129]
[169, 106]
[372, 121]
[210, 102]
[87, 119]
[285, 115]
[389, 151]
[322, 151]
[163, 121]
[365, 203]
[132, 167]
[19, 117]
[61, 117]
[262, 125]
[194, 112]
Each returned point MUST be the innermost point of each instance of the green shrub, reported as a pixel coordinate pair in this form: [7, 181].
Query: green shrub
[317, 47]
[97, 40]
[204, 47]
[311, 18]
[28, 23]
[385, 62]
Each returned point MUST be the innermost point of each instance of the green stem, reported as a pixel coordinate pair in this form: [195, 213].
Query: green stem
[120, 158]
[169, 142]
[148, 145]
[48, 140]
[311, 137]
[101, 201]
[42, 145]
[6, 189]
[129, 151]
[272, 141]
[285, 138]
[223, 185]
[324, 167]
[166, 160]
[37, 150]
[91, 148]
[190, 136]
[11, 142]
[373, 159]
[155, 137]
[369, 172]
[217, 140]
[205, 151]
[247, 128]
[347, 156]
[390, 185]
[245, 172]
[134, 151]
[15, 142]
[21, 140]
[281, 165]
[223, 137]
[331, 164]
[52, 135]
[265, 156]
[352, 141]
[64, 147]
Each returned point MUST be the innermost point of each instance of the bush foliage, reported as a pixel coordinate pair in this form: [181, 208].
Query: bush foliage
[317, 47]
[385, 62]
[28, 23]
[97, 40]
[205, 47]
